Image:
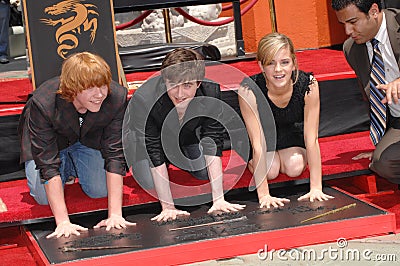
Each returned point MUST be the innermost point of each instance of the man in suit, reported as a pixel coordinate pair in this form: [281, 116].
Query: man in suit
[366, 22]
[72, 126]
[174, 118]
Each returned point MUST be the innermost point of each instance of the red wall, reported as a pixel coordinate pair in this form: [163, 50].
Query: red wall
[309, 23]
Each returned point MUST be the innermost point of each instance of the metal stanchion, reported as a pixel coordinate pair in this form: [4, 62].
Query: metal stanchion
[272, 15]
[167, 24]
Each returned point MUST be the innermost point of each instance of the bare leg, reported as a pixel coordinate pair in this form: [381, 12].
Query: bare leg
[273, 171]
[293, 161]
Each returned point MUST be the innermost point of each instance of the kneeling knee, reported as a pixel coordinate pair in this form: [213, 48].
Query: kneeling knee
[386, 169]
[294, 170]
[41, 200]
[39, 196]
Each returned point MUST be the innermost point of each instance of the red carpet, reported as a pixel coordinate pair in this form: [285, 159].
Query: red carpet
[390, 202]
[386, 197]
[11, 109]
[15, 90]
[13, 250]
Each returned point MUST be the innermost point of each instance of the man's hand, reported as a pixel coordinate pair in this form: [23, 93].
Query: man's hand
[315, 194]
[66, 229]
[268, 200]
[169, 214]
[363, 155]
[114, 221]
[392, 90]
[222, 205]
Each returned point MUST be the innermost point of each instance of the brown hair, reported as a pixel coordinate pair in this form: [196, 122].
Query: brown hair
[270, 45]
[183, 64]
[82, 71]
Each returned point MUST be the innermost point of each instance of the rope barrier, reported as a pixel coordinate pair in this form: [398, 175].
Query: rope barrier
[191, 18]
[134, 21]
[227, 7]
[214, 23]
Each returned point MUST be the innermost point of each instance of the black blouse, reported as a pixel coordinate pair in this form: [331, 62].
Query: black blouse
[289, 121]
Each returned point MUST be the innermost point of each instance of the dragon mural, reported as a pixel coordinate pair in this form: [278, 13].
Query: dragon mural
[75, 17]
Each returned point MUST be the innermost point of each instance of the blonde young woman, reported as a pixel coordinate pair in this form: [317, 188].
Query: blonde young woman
[293, 97]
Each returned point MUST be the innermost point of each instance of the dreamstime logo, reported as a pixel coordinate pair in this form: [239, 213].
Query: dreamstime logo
[152, 121]
[341, 242]
[339, 253]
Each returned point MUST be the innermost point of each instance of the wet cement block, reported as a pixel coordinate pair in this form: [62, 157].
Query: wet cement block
[198, 227]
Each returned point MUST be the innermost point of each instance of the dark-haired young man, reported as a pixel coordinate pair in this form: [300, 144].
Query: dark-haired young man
[175, 118]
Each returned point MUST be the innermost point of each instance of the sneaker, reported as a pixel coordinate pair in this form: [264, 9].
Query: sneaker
[4, 59]
[70, 180]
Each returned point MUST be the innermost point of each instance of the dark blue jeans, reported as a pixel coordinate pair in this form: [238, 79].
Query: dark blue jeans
[4, 27]
[79, 161]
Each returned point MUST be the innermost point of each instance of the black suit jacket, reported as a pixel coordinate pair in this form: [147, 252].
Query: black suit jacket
[50, 124]
[357, 54]
[153, 130]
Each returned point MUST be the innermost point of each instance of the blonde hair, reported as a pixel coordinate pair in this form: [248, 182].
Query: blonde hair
[82, 71]
[271, 44]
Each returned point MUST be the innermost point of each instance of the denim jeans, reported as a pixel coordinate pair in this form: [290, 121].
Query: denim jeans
[79, 161]
[4, 22]
[142, 174]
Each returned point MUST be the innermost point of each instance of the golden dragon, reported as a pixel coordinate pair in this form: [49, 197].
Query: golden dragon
[75, 18]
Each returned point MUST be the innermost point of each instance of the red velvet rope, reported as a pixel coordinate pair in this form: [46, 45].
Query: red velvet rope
[214, 23]
[134, 21]
[227, 7]
[189, 17]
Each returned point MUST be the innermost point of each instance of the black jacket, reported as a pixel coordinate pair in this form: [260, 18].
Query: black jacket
[50, 124]
[152, 128]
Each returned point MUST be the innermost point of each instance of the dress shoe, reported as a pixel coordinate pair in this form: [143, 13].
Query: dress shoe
[4, 60]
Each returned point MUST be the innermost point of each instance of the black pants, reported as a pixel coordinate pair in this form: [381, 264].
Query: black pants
[142, 174]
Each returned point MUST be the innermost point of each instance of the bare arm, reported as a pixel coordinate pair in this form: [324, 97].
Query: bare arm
[261, 158]
[214, 167]
[161, 183]
[55, 195]
[248, 108]
[311, 124]
[114, 190]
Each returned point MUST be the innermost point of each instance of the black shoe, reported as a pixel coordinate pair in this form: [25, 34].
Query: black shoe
[4, 60]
